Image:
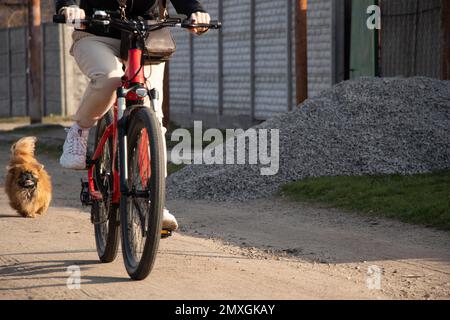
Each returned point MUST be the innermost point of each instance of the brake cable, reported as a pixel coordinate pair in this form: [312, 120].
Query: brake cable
[142, 35]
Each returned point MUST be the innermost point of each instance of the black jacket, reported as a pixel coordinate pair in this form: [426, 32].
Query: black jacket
[134, 8]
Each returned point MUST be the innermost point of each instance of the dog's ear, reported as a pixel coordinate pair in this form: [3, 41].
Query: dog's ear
[11, 168]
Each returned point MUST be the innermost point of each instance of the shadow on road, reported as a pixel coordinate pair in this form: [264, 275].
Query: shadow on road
[42, 270]
[201, 254]
[9, 216]
[37, 267]
[311, 233]
[49, 253]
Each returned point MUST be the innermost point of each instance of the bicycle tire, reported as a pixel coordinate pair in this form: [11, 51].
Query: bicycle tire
[107, 244]
[152, 176]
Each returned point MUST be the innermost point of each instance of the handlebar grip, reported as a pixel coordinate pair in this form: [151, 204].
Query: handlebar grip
[216, 24]
[59, 18]
[212, 25]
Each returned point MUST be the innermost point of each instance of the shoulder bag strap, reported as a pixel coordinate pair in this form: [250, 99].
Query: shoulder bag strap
[122, 7]
[163, 12]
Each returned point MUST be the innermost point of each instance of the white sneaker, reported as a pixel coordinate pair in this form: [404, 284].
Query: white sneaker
[75, 148]
[169, 221]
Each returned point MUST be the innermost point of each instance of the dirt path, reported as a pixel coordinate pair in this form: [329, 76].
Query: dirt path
[270, 249]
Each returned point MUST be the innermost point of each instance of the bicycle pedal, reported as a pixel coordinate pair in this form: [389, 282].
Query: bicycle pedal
[96, 220]
[85, 196]
[90, 162]
[166, 233]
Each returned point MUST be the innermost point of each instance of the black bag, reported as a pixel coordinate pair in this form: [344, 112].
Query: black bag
[160, 44]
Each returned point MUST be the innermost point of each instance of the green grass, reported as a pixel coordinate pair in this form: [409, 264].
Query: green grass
[172, 168]
[419, 199]
[53, 151]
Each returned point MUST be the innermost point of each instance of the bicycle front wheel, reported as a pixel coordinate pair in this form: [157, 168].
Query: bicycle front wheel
[141, 210]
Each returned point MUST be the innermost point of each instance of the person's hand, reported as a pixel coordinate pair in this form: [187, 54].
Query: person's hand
[200, 17]
[73, 14]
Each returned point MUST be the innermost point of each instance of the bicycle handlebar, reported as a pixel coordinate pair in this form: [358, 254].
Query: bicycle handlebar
[132, 24]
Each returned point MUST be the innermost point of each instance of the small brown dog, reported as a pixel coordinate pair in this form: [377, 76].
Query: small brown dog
[27, 185]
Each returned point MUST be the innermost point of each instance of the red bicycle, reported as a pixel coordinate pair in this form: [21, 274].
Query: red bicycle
[126, 174]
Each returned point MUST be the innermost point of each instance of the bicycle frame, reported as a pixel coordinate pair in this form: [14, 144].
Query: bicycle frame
[133, 79]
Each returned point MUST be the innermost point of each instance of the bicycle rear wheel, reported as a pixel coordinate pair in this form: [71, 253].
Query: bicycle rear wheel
[105, 213]
[141, 210]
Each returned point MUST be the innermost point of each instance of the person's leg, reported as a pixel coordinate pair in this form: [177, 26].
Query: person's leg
[97, 59]
[155, 79]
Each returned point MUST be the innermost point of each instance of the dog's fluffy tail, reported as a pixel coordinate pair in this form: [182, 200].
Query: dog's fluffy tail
[24, 146]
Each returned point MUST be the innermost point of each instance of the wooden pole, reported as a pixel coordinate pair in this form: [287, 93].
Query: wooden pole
[166, 96]
[301, 51]
[35, 60]
[445, 43]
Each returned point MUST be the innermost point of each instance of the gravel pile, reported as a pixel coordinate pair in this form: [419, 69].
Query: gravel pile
[369, 126]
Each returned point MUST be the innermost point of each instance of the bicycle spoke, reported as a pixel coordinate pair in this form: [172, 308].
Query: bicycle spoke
[142, 216]
[138, 210]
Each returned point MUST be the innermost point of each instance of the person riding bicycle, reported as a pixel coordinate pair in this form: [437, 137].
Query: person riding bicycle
[97, 54]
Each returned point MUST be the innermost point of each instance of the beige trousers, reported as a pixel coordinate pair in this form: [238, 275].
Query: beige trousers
[97, 58]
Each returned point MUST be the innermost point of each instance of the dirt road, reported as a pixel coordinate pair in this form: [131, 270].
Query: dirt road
[269, 249]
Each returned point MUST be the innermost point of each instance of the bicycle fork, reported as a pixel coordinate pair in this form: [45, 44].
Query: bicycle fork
[122, 117]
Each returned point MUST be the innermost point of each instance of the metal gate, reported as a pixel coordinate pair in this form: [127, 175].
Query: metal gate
[14, 76]
[410, 38]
